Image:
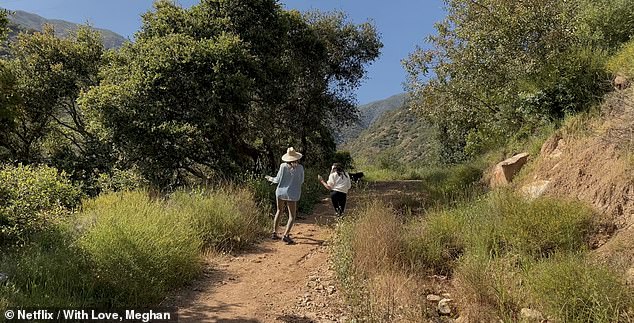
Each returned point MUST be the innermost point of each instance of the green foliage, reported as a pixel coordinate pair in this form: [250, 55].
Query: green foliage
[41, 81]
[224, 218]
[125, 249]
[344, 158]
[312, 191]
[435, 244]
[574, 289]
[451, 184]
[120, 180]
[3, 24]
[623, 61]
[138, 257]
[51, 271]
[195, 93]
[49, 73]
[499, 69]
[606, 23]
[32, 199]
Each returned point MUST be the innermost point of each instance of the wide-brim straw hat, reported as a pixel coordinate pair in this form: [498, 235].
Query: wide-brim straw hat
[291, 155]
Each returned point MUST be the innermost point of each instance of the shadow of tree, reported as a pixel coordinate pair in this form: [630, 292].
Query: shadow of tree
[295, 319]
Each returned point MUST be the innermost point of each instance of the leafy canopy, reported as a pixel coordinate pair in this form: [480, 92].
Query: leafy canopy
[227, 85]
[498, 69]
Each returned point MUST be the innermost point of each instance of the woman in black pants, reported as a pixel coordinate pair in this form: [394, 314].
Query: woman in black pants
[338, 184]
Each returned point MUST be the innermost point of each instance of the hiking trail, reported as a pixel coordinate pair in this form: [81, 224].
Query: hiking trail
[276, 282]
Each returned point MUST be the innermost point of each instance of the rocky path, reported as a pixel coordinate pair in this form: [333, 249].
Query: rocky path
[275, 282]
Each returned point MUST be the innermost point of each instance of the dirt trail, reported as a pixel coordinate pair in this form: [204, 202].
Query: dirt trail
[275, 282]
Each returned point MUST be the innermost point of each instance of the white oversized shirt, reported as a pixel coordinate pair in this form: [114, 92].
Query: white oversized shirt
[339, 183]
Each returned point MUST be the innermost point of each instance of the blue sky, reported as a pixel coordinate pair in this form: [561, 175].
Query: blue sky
[403, 24]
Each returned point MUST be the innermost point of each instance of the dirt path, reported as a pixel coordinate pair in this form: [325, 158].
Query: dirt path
[275, 282]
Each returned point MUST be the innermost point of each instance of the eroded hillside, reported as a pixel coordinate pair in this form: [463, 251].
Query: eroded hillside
[592, 159]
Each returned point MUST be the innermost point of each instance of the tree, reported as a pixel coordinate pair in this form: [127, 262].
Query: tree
[496, 66]
[6, 82]
[47, 74]
[227, 85]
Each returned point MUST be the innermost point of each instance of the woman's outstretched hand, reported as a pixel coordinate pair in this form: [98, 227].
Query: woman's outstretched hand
[268, 178]
[319, 178]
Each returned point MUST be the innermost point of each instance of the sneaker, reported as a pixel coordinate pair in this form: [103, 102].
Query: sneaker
[274, 236]
[288, 240]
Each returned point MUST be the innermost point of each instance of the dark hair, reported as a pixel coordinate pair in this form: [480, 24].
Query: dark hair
[339, 169]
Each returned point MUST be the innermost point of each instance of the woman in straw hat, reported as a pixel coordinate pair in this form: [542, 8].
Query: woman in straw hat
[289, 181]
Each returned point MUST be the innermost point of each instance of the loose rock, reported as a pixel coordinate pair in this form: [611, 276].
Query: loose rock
[531, 315]
[433, 298]
[444, 307]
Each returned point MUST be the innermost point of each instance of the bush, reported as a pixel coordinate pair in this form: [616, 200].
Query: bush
[224, 218]
[139, 249]
[373, 222]
[573, 289]
[49, 272]
[435, 244]
[451, 184]
[541, 227]
[31, 198]
[344, 158]
[312, 191]
[125, 249]
[121, 180]
[623, 61]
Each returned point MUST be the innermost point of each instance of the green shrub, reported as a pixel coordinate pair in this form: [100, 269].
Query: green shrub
[31, 198]
[573, 289]
[435, 243]
[48, 272]
[540, 227]
[623, 61]
[450, 185]
[344, 158]
[121, 180]
[312, 191]
[224, 218]
[263, 191]
[139, 249]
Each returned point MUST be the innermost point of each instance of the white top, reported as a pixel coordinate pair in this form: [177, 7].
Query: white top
[339, 183]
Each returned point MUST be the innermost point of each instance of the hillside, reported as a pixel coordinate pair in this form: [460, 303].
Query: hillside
[21, 21]
[368, 114]
[398, 135]
[591, 159]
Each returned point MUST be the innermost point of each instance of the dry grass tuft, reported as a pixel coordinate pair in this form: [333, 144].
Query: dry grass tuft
[378, 239]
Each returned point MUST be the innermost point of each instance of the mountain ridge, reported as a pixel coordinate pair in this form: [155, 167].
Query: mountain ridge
[368, 114]
[22, 21]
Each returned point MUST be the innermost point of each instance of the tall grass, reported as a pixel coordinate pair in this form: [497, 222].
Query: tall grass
[224, 218]
[502, 252]
[50, 271]
[622, 62]
[139, 249]
[125, 249]
[368, 262]
[574, 289]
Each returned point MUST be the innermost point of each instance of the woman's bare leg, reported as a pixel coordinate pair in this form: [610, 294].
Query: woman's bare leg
[292, 210]
[280, 206]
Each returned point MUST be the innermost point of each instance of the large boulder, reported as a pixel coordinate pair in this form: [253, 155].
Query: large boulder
[504, 171]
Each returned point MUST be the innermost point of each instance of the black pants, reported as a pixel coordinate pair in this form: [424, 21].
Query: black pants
[338, 201]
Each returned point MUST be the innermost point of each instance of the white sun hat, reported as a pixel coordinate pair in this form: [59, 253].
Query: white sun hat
[291, 155]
